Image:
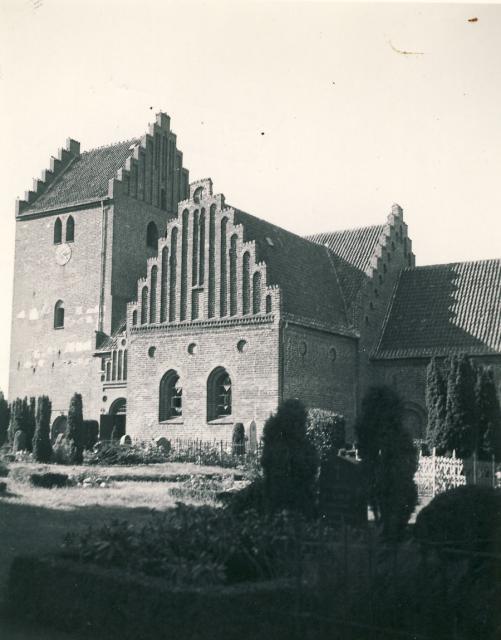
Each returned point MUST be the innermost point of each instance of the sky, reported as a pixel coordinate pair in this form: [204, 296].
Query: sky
[314, 116]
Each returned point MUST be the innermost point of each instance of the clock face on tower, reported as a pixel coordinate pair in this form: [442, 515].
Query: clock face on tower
[63, 254]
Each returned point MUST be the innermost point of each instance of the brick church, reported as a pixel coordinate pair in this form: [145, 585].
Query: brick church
[179, 314]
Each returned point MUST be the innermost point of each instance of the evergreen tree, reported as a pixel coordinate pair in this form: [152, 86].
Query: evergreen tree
[461, 409]
[29, 410]
[289, 460]
[19, 420]
[436, 400]
[489, 415]
[42, 448]
[4, 419]
[74, 430]
[388, 458]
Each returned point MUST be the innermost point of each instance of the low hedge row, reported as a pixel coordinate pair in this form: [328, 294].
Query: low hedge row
[108, 603]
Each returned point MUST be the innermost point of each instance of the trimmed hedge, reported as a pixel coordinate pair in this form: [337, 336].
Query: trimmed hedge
[111, 604]
[49, 480]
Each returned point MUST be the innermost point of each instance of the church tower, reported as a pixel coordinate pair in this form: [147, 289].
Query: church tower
[83, 236]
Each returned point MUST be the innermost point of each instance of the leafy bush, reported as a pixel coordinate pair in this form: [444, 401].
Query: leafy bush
[49, 480]
[327, 431]
[197, 546]
[4, 470]
[112, 453]
[250, 498]
[61, 451]
[465, 518]
[289, 460]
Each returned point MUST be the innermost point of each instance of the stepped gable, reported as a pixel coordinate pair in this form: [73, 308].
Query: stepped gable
[86, 177]
[149, 168]
[444, 309]
[303, 270]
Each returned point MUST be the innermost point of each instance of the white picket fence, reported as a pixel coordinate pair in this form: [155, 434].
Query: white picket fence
[436, 474]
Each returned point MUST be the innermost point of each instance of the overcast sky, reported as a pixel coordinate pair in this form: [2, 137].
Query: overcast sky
[316, 117]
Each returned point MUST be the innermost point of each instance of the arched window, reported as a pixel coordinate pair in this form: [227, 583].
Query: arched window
[152, 236]
[70, 229]
[59, 315]
[268, 304]
[218, 394]
[256, 292]
[134, 317]
[58, 231]
[170, 397]
[144, 305]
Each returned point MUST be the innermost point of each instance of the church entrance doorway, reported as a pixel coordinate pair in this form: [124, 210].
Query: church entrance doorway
[112, 425]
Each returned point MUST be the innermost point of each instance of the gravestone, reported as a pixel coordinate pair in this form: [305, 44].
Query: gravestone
[342, 496]
[125, 441]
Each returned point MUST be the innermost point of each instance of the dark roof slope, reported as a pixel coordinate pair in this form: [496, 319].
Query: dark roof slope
[445, 308]
[351, 251]
[304, 271]
[355, 246]
[86, 177]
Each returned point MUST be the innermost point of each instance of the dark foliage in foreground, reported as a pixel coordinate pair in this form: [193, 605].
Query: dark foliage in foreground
[389, 460]
[75, 431]
[197, 545]
[289, 461]
[466, 518]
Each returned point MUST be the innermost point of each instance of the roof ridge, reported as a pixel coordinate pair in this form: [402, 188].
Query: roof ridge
[111, 144]
[324, 233]
[450, 264]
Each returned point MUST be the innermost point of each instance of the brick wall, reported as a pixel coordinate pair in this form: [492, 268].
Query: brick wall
[321, 370]
[45, 360]
[254, 372]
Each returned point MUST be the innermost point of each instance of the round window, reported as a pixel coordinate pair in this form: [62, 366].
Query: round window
[105, 398]
[151, 352]
[242, 346]
[192, 348]
[124, 342]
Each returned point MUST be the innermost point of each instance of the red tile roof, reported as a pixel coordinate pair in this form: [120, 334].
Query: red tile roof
[441, 309]
[86, 177]
[304, 271]
[355, 246]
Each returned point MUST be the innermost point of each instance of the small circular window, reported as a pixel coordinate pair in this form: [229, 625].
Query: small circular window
[192, 348]
[303, 348]
[105, 398]
[152, 351]
[242, 346]
[332, 354]
[124, 342]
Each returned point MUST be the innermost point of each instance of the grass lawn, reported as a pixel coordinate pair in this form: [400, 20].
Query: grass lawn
[35, 520]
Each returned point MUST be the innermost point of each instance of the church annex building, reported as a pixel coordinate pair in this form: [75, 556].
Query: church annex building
[182, 314]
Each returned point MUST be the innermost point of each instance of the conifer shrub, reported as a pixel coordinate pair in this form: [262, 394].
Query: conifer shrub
[238, 440]
[42, 447]
[4, 419]
[326, 430]
[436, 400]
[489, 415]
[91, 433]
[289, 461]
[389, 460]
[74, 431]
[461, 421]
